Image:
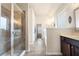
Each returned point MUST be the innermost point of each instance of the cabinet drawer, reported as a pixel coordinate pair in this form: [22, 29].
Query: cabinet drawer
[71, 41]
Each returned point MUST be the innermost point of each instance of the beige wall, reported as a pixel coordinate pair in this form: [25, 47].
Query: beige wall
[44, 20]
[53, 40]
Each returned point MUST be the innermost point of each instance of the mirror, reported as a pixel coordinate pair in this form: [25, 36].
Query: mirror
[69, 19]
[76, 17]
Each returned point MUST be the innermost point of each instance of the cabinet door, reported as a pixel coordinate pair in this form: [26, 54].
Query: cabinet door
[66, 49]
[76, 51]
[72, 50]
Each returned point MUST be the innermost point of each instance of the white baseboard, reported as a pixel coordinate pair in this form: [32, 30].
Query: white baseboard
[54, 53]
[22, 54]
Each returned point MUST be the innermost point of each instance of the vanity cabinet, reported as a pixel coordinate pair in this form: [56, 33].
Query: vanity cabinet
[65, 47]
[75, 51]
[69, 46]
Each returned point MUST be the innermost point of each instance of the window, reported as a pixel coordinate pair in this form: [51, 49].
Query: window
[3, 23]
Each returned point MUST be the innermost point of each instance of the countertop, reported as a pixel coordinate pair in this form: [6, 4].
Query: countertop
[74, 36]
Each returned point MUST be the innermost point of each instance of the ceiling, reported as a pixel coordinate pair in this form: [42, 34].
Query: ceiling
[45, 9]
[23, 6]
[42, 9]
[7, 6]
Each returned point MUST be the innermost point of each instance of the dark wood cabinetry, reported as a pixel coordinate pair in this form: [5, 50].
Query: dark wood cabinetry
[65, 48]
[69, 47]
[76, 51]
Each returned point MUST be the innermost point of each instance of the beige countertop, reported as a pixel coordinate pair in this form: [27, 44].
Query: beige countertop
[74, 36]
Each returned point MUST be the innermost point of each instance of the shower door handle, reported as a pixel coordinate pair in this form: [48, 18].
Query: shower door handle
[14, 33]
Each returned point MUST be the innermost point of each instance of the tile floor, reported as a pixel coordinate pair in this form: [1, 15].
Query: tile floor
[38, 49]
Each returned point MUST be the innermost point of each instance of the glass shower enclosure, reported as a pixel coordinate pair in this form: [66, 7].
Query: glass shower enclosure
[11, 29]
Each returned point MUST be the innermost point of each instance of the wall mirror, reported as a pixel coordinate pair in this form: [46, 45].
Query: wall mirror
[69, 19]
[76, 18]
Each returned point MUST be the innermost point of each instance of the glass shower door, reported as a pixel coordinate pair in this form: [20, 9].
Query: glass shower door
[11, 29]
[5, 18]
[18, 41]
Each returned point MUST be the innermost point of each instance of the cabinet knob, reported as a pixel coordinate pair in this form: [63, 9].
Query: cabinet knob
[71, 46]
[68, 45]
